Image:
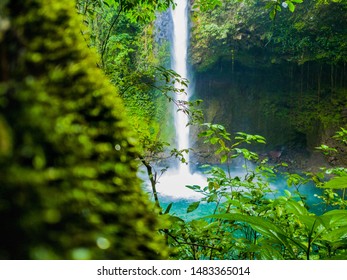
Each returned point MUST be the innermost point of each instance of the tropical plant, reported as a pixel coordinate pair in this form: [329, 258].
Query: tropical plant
[249, 220]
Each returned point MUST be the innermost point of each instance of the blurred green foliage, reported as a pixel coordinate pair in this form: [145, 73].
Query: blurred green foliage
[67, 155]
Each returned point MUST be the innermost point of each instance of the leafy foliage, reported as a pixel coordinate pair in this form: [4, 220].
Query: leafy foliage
[133, 61]
[249, 221]
[296, 31]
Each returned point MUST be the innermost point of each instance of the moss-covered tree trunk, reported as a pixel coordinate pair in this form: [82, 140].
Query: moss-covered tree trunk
[68, 185]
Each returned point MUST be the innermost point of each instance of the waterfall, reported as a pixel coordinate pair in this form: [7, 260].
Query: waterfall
[179, 65]
[173, 182]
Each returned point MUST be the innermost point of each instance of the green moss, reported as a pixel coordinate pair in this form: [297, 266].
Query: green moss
[5, 139]
[71, 178]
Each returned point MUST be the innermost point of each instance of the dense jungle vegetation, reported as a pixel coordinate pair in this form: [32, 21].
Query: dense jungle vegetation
[86, 97]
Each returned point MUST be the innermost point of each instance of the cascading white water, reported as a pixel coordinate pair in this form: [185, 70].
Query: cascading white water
[179, 65]
[174, 181]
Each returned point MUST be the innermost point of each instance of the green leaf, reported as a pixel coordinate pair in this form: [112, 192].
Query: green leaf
[214, 140]
[335, 218]
[290, 6]
[267, 252]
[311, 222]
[193, 206]
[264, 227]
[168, 208]
[295, 207]
[223, 158]
[176, 220]
[336, 183]
[194, 187]
[287, 193]
[336, 235]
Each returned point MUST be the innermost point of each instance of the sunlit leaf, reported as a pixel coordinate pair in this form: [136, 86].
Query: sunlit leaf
[336, 183]
[336, 218]
[291, 6]
[336, 235]
[193, 206]
[224, 158]
[295, 207]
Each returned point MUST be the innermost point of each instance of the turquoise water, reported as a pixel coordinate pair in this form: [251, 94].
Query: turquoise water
[308, 190]
[180, 206]
[278, 186]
